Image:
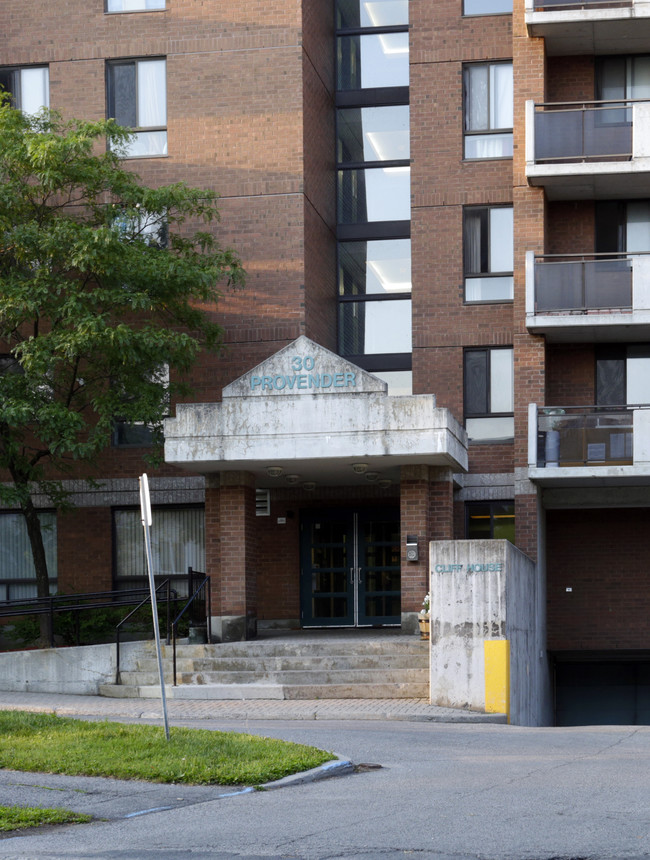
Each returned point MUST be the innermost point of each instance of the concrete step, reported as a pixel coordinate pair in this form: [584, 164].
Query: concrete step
[266, 664]
[298, 647]
[243, 692]
[304, 676]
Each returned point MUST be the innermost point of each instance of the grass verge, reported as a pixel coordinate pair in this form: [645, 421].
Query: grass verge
[49, 744]
[19, 818]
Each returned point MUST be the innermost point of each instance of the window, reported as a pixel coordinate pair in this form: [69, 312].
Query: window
[133, 5]
[622, 226]
[488, 108]
[17, 574]
[489, 394]
[490, 521]
[138, 434]
[488, 253]
[29, 87]
[151, 228]
[177, 538]
[486, 7]
[623, 374]
[374, 188]
[137, 99]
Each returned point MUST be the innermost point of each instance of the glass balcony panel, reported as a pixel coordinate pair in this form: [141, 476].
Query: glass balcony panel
[583, 285]
[583, 438]
[576, 134]
[608, 284]
[371, 13]
[558, 286]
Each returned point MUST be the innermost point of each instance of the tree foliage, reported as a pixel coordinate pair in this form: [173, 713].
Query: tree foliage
[92, 303]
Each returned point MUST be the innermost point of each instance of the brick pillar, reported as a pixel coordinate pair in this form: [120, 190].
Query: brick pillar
[232, 553]
[426, 511]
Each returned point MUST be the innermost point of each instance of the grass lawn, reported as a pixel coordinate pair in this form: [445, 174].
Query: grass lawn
[49, 744]
[17, 818]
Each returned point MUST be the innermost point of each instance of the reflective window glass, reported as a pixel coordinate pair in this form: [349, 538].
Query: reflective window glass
[489, 393]
[376, 194]
[491, 520]
[134, 5]
[488, 253]
[486, 7]
[400, 382]
[373, 61]
[17, 572]
[371, 328]
[29, 87]
[488, 98]
[373, 134]
[379, 266]
[371, 13]
[137, 99]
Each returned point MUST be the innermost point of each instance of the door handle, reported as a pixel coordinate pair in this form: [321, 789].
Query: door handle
[351, 576]
[359, 576]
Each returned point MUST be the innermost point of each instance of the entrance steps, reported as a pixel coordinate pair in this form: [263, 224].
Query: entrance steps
[309, 666]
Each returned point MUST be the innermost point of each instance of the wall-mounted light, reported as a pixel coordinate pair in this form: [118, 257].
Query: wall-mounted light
[292, 479]
[274, 471]
[359, 468]
[372, 476]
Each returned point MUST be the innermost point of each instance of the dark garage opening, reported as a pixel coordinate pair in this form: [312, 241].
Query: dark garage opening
[602, 689]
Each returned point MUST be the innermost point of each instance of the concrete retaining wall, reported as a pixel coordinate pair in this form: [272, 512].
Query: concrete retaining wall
[77, 671]
[486, 590]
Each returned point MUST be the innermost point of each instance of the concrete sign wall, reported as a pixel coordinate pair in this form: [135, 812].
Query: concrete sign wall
[485, 591]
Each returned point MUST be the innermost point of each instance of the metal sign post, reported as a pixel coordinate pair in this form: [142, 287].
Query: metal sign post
[145, 509]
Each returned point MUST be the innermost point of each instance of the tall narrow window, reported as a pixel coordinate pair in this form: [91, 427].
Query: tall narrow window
[29, 87]
[17, 573]
[137, 99]
[488, 253]
[488, 101]
[489, 394]
[373, 187]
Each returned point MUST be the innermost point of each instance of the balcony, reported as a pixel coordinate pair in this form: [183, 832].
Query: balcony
[588, 297]
[590, 26]
[589, 150]
[582, 446]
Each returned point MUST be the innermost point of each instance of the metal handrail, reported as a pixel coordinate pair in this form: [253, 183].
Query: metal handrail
[76, 603]
[593, 103]
[208, 612]
[606, 255]
[166, 584]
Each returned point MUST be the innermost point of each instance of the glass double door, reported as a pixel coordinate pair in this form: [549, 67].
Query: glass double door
[350, 568]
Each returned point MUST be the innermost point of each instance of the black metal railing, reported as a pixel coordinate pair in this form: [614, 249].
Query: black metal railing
[170, 595]
[584, 131]
[585, 436]
[546, 5]
[198, 609]
[583, 282]
[75, 604]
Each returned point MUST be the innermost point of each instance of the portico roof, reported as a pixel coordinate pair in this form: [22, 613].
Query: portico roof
[311, 413]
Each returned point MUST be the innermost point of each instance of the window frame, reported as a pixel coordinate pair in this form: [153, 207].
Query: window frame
[467, 274]
[491, 504]
[108, 11]
[110, 99]
[7, 583]
[148, 431]
[133, 580]
[488, 350]
[488, 131]
[16, 97]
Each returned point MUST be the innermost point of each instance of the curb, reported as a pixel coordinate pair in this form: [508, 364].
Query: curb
[339, 767]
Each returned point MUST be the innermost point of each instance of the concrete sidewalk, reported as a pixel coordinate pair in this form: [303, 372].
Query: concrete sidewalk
[415, 710]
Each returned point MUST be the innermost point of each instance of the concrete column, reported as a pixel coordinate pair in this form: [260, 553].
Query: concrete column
[232, 511]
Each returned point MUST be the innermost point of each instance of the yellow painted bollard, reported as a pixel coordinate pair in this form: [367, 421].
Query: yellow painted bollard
[497, 676]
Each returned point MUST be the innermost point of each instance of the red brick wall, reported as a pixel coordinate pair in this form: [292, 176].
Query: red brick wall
[602, 556]
[570, 377]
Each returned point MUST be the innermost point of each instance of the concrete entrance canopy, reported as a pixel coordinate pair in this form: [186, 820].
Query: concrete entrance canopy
[313, 414]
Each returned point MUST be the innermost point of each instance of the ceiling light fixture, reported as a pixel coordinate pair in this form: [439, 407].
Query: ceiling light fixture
[274, 471]
[359, 468]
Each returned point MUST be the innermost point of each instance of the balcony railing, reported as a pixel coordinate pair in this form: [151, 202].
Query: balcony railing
[585, 436]
[581, 283]
[547, 5]
[583, 131]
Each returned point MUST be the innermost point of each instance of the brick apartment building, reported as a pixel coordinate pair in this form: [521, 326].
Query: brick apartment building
[444, 210]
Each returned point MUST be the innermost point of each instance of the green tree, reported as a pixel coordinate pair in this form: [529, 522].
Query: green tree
[103, 283]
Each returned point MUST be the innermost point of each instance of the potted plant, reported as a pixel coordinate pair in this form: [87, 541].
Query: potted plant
[423, 617]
